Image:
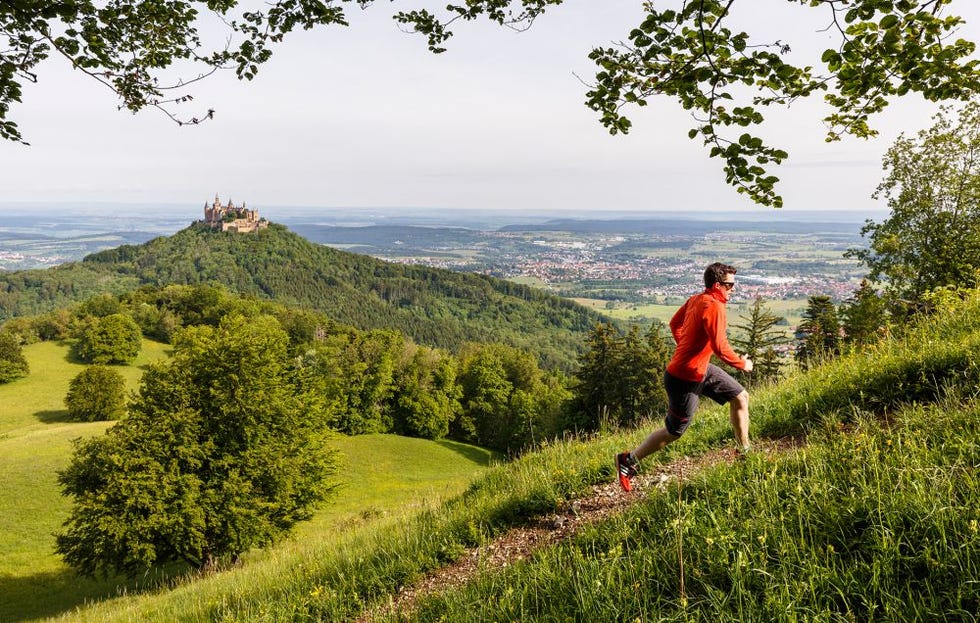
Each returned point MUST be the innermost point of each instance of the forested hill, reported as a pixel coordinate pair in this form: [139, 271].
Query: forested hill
[433, 306]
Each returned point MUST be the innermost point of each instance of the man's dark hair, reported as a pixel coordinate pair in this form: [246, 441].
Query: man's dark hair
[716, 272]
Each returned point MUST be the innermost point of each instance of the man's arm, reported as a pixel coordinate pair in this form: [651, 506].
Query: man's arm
[677, 321]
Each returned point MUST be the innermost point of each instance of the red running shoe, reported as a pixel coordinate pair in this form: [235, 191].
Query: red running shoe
[626, 467]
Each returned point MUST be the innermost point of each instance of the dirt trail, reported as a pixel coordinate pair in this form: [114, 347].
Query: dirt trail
[603, 501]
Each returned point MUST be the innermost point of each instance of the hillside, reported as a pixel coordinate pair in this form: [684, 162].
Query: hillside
[434, 307]
[868, 512]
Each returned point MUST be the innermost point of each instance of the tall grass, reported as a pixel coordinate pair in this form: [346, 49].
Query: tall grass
[916, 366]
[881, 523]
[877, 525]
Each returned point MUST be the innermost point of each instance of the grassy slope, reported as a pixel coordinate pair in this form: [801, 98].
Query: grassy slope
[875, 523]
[35, 441]
[879, 524]
[868, 523]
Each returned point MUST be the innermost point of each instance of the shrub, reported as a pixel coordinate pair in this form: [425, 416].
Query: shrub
[13, 365]
[96, 393]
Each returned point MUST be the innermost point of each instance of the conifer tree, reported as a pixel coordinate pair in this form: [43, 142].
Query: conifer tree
[819, 334]
[596, 382]
[759, 337]
[640, 370]
[619, 380]
[864, 316]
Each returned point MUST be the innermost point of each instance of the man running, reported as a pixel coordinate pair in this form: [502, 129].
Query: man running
[699, 328]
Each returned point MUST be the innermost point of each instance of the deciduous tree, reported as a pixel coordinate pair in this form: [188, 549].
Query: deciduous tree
[688, 51]
[366, 374]
[931, 238]
[508, 403]
[13, 365]
[116, 338]
[96, 393]
[426, 394]
[218, 455]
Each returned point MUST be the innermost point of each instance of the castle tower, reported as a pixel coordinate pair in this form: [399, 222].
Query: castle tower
[232, 218]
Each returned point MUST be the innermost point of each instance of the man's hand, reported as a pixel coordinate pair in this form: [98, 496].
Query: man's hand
[747, 362]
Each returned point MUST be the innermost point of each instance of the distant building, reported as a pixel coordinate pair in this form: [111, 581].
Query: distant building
[232, 218]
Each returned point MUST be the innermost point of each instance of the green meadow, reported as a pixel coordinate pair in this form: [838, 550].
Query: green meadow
[36, 441]
[382, 476]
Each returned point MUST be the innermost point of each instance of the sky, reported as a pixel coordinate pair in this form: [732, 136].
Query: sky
[366, 117]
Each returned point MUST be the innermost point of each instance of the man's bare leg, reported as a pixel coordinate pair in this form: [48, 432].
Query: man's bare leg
[739, 407]
[657, 440]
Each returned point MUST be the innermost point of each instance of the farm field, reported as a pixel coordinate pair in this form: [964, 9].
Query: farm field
[791, 309]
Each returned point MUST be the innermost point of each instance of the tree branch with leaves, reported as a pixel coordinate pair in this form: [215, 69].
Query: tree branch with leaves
[686, 50]
[885, 49]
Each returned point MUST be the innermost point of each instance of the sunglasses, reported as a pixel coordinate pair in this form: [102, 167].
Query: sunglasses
[728, 285]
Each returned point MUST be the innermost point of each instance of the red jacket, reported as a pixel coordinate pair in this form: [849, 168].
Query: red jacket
[699, 328]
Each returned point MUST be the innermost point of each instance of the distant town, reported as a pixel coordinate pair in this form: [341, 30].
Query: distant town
[620, 264]
[576, 266]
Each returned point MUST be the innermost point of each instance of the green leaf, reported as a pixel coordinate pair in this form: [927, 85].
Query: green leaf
[888, 21]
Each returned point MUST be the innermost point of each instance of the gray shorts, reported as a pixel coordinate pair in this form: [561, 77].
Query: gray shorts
[683, 396]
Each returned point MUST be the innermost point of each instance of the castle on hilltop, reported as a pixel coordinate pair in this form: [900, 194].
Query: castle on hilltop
[232, 218]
